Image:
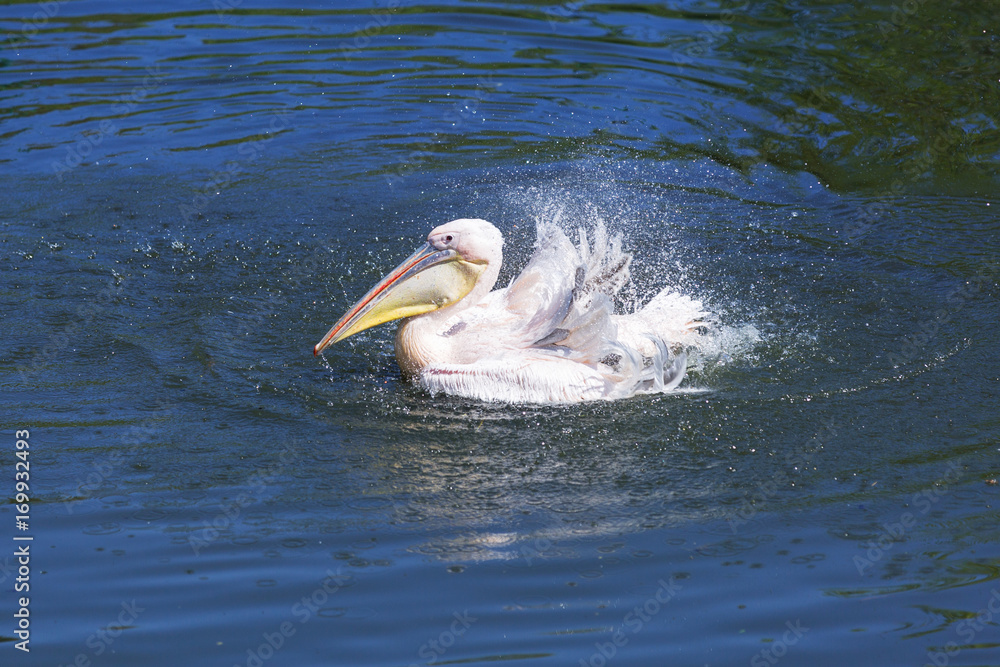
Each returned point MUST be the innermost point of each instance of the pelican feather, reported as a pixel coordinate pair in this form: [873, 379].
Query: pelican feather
[551, 336]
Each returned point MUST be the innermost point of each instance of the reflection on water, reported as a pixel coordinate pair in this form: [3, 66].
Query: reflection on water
[193, 192]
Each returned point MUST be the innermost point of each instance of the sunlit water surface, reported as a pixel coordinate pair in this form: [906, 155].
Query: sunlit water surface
[196, 191]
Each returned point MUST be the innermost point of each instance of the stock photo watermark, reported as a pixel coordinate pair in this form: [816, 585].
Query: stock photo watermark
[432, 650]
[85, 314]
[301, 612]
[967, 630]
[255, 485]
[39, 19]
[894, 531]
[753, 502]
[916, 342]
[867, 215]
[712, 30]
[379, 22]
[81, 150]
[290, 282]
[564, 12]
[632, 624]
[779, 649]
[101, 641]
[223, 7]
[462, 112]
[132, 441]
[247, 151]
[899, 16]
[22, 541]
[538, 548]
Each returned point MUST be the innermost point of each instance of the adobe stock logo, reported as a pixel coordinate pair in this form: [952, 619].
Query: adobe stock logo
[634, 621]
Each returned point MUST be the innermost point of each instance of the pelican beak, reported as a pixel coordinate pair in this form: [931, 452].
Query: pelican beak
[429, 279]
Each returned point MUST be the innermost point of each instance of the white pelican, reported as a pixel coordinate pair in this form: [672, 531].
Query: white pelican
[550, 337]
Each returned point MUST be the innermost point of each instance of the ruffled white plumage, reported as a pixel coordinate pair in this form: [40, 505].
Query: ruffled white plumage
[552, 335]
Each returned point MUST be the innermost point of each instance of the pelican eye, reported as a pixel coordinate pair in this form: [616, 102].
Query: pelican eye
[446, 240]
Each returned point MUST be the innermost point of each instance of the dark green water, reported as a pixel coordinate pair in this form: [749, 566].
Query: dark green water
[195, 191]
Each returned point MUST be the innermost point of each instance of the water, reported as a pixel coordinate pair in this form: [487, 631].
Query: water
[196, 192]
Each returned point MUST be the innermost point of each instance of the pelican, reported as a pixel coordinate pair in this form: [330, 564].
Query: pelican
[551, 336]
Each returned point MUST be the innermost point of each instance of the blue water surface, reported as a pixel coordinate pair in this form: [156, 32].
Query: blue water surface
[195, 191]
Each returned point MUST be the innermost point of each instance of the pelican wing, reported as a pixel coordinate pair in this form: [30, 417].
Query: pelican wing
[541, 296]
[563, 296]
[560, 304]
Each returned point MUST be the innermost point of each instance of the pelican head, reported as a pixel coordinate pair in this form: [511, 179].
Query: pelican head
[461, 258]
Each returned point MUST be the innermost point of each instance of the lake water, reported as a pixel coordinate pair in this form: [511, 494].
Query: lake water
[195, 191]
